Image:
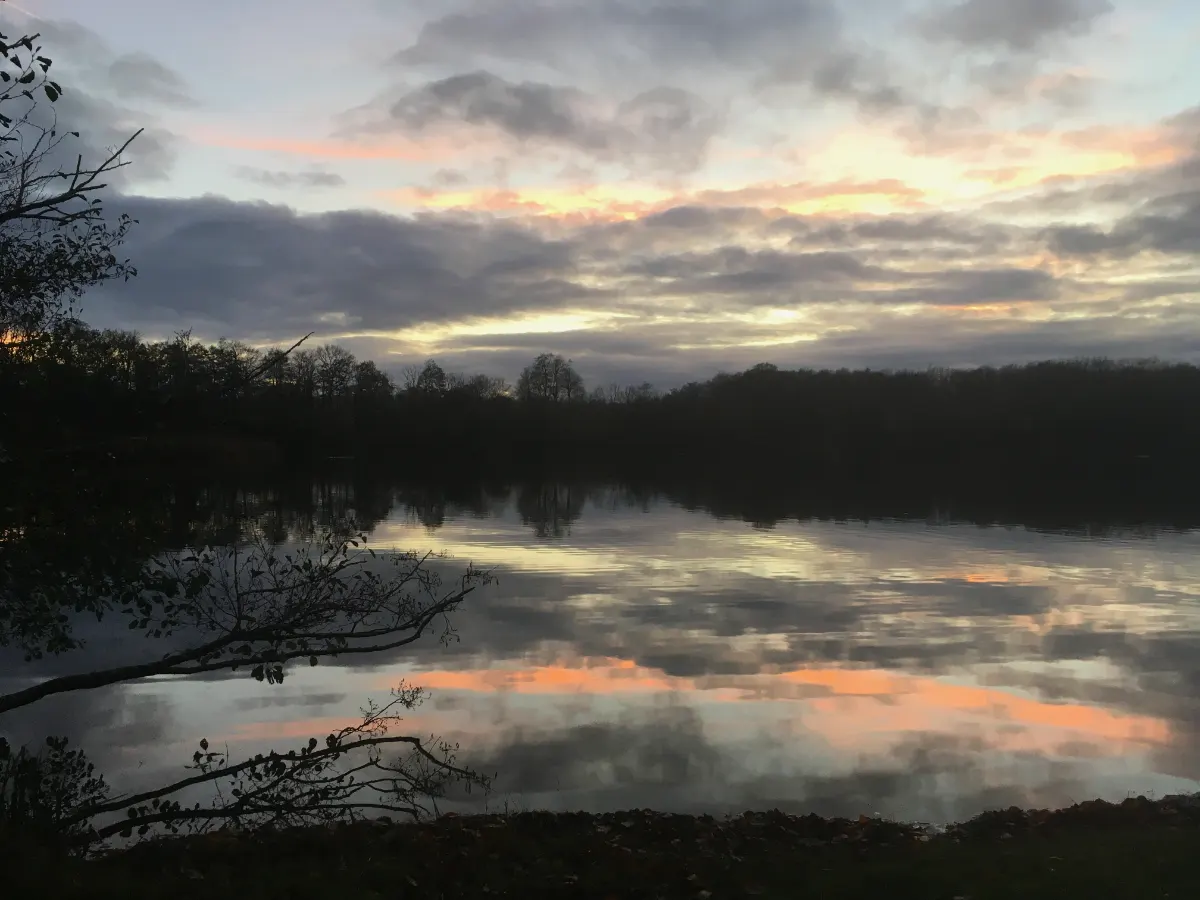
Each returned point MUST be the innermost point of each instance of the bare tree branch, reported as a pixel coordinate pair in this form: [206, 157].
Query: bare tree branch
[267, 611]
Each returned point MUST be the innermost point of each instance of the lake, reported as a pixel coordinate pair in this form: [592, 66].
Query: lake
[635, 653]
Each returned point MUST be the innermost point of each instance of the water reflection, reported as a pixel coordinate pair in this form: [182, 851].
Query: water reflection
[638, 653]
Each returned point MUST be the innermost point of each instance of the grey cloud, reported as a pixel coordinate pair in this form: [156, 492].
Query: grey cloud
[315, 178]
[922, 230]
[753, 277]
[745, 273]
[55, 35]
[844, 77]
[527, 110]
[1016, 79]
[859, 76]
[138, 76]
[1175, 231]
[103, 127]
[449, 178]
[263, 272]
[104, 122]
[1018, 25]
[769, 43]
[667, 33]
[1068, 92]
[1071, 196]
[987, 286]
[665, 128]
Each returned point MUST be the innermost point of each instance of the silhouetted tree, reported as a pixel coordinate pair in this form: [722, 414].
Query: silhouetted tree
[54, 240]
[550, 377]
[432, 379]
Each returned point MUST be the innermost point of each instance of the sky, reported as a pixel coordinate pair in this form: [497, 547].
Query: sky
[657, 189]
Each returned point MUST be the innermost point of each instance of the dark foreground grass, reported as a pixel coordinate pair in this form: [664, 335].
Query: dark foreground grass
[1138, 849]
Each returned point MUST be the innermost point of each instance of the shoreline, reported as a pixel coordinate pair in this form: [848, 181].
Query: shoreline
[1136, 848]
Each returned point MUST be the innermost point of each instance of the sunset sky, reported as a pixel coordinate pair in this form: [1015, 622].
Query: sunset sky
[659, 189]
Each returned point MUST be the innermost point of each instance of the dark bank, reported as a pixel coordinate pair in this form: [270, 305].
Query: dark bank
[1135, 849]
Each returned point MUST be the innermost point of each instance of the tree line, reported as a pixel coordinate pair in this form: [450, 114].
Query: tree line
[77, 387]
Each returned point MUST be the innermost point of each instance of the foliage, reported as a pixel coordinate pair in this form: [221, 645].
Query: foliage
[79, 388]
[1117, 852]
[54, 240]
[550, 378]
[341, 779]
[254, 609]
[41, 792]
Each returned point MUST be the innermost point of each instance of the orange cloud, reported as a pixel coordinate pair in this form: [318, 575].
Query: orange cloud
[608, 676]
[986, 311]
[1082, 153]
[1137, 147]
[609, 202]
[613, 202]
[803, 198]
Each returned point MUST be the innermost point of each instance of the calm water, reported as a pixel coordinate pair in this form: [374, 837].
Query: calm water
[637, 654]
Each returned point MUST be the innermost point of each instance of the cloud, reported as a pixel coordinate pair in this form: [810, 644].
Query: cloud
[836, 272]
[1017, 25]
[672, 296]
[262, 271]
[753, 45]
[315, 178]
[96, 86]
[138, 76]
[662, 128]
[1168, 224]
[1018, 80]
[661, 33]
[104, 126]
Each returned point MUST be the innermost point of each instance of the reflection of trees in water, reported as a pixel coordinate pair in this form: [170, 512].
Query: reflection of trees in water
[64, 520]
[430, 505]
[551, 508]
[425, 507]
[616, 497]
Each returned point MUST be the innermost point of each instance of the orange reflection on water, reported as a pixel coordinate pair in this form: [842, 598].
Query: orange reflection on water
[845, 706]
[915, 704]
[607, 676]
